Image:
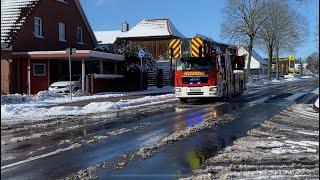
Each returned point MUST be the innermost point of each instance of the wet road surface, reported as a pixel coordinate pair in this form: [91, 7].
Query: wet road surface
[286, 146]
[72, 144]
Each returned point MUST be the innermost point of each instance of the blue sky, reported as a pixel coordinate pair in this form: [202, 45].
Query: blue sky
[189, 16]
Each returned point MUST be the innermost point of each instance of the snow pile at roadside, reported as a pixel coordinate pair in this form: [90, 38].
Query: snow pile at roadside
[21, 98]
[316, 104]
[285, 147]
[289, 77]
[10, 112]
[47, 98]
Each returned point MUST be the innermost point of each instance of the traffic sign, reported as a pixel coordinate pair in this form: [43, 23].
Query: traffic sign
[141, 53]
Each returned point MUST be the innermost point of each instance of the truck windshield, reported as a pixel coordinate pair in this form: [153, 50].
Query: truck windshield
[193, 63]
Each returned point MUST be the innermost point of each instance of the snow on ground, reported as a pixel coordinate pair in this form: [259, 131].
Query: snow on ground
[317, 103]
[12, 112]
[286, 146]
[22, 98]
[47, 98]
[289, 77]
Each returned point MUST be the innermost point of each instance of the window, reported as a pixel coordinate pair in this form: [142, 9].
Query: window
[79, 35]
[39, 69]
[38, 27]
[62, 32]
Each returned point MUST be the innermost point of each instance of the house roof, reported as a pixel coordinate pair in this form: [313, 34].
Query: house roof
[153, 28]
[145, 28]
[13, 15]
[107, 37]
[257, 56]
[15, 12]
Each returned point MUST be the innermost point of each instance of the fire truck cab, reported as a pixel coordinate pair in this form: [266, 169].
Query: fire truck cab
[205, 69]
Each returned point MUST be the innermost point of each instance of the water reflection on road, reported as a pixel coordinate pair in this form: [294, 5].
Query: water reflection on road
[180, 158]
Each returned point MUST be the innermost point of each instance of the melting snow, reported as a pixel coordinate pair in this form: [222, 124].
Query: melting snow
[47, 98]
[11, 112]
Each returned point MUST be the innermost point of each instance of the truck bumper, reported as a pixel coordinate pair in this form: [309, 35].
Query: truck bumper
[197, 92]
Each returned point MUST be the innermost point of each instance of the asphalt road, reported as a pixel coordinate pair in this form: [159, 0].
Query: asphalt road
[164, 141]
[286, 146]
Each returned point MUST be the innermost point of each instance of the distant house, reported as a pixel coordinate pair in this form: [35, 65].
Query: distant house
[152, 34]
[258, 65]
[38, 33]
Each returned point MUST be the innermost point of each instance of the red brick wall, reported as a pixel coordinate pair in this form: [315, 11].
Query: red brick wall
[52, 12]
[5, 78]
[6, 71]
[38, 83]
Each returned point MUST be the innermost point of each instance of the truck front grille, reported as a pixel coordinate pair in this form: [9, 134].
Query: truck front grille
[195, 93]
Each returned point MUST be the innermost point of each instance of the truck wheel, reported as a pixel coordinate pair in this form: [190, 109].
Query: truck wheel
[183, 100]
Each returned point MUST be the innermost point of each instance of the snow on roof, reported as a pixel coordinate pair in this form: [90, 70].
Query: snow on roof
[257, 56]
[153, 28]
[15, 12]
[107, 37]
[13, 16]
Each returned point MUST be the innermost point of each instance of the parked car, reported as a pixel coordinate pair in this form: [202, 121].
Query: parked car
[63, 85]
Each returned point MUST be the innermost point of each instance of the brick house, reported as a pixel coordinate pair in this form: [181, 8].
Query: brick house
[38, 33]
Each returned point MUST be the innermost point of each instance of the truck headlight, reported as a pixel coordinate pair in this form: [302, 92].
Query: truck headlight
[212, 89]
[178, 89]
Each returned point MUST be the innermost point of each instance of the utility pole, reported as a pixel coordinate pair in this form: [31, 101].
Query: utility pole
[70, 90]
[70, 51]
[141, 54]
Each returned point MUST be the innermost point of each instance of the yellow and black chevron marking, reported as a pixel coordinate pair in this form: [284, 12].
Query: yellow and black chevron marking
[175, 48]
[196, 43]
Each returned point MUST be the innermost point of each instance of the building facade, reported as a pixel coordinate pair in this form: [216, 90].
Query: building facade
[38, 33]
[258, 65]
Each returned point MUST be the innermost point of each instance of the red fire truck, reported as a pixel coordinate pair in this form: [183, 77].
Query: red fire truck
[205, 68]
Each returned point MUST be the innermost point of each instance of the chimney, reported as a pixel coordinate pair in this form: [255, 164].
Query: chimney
[125, 27]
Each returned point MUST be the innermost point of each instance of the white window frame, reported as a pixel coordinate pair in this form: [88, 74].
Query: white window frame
[59, 26]
[40, 35]
[63, 1]
[81, 36]
[33, 68]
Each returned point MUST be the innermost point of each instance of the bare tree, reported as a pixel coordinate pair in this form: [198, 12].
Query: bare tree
[283, 30]
[313, 62]
[291, 32]
[242, 19]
